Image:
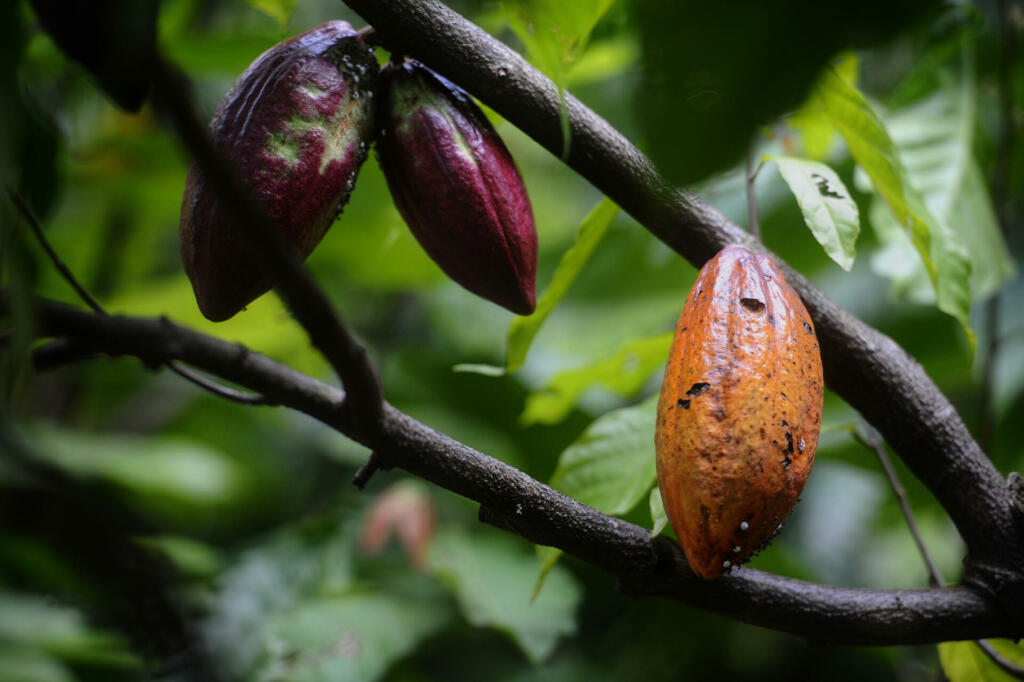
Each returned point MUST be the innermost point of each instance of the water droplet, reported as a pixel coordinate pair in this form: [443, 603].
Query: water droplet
[726, 564]
[736, 549]
[355, 94]
[744, 525]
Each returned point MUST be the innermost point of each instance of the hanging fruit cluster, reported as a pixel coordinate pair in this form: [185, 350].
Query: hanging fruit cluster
[298, 124]
[739, 411]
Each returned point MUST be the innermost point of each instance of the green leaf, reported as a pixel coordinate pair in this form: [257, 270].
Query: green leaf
[355, 637]
[301, 563]
[624, 372]
[191, 557]
[20, 664]
[934, 138]
[966, 662]
[172, 478]
[611, 465]
[555, 34]
[523, 329]
[38, 623]
[492, 577]
[278, 10]
[826, 204]
[810, 120]
[548, 557]
[944, 257]
[479, 368]
[604, 59]
[659, 518]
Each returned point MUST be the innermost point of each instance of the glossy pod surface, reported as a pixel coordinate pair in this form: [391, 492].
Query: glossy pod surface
[457, 187]
[739, 411]
[297, 125]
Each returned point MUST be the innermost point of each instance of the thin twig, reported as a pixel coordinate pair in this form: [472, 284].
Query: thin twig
[1002, 662]
[225, 392]
[751, 177]
[83, 293]
[869, 438]
[306, 301]
[365, 472]
[64, 270]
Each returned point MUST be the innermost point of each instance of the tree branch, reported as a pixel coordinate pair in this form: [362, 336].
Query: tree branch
[65, 352]
[868, 369]
[513, 500]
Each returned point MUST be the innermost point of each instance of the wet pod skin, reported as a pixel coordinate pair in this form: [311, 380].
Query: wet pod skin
[456, 185]
[739, 411]
[297, 125]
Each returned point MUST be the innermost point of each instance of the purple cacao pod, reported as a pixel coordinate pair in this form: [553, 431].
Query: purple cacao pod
[456, 186]
[297, 126]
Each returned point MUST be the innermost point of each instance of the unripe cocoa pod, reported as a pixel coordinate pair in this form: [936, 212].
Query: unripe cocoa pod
[456, 186]
[739, 410]
[296, 125]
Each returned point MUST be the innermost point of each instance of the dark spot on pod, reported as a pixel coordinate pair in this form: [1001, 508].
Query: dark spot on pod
[784, 397]
[786, 461]
[752, 304]
[705, 512]
[785, 424]
[789, 443]
[698, 388]
[808, 328]
[801, 446]
[685, 404]
[771, 319]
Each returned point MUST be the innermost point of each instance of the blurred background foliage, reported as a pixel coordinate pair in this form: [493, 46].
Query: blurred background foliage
[149, 529]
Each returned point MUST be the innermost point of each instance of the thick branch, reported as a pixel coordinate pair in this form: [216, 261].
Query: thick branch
[868, 369]
[514, 501]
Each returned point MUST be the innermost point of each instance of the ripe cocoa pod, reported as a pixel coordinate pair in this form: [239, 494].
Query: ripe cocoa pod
[297, 125]
[456, 186]
[739, 411]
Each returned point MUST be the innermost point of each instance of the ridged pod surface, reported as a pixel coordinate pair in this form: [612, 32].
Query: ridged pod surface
[297, 125]
[457, 187]
[739, 411]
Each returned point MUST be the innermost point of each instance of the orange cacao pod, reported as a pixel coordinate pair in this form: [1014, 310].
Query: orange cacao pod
[739, 411]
